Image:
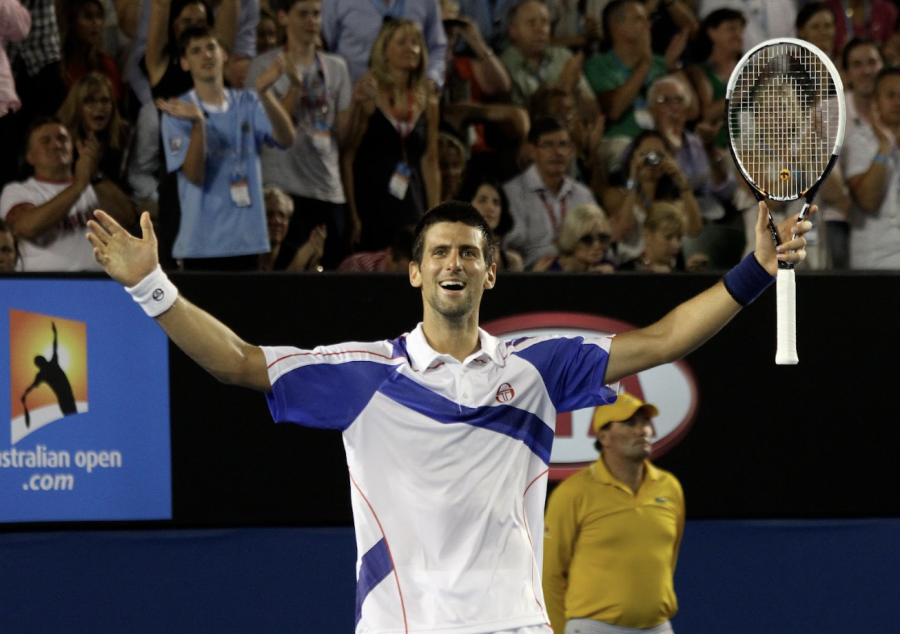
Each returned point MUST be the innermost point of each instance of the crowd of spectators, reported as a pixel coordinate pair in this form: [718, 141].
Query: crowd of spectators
[311, 135]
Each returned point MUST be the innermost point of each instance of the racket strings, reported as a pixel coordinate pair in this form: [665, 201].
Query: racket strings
[784, 120]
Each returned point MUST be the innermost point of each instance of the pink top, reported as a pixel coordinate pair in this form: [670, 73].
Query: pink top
[15, 23]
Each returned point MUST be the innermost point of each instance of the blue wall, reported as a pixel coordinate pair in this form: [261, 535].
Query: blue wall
[734, 576]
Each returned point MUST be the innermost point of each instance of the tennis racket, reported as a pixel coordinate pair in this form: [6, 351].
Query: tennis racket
[785, 112]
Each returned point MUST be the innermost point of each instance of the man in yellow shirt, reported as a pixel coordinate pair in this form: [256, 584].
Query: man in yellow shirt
[612, 533]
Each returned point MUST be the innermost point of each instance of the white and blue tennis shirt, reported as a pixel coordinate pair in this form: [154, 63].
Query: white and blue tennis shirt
[448, 464]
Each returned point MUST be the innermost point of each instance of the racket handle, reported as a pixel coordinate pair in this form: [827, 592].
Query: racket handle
[786, 308]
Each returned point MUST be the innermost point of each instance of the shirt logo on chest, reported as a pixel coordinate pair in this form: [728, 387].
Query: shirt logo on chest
[505, 393]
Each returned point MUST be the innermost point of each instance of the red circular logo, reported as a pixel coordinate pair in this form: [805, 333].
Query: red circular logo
[505, 393]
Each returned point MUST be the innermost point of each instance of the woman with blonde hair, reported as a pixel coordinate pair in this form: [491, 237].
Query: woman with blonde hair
[90, 110]
[663, 232]
[391, 171]
[583, 243]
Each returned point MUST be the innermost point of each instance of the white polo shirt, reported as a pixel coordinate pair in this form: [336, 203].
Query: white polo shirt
[448, 463]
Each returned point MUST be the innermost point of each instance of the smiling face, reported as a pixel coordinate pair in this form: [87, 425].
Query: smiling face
[403, 50]
[204, 59]
[191, 15]
[863, 65]
[819, 30]
[453, 273]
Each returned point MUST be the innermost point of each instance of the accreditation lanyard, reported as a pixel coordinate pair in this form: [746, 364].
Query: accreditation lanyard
[405, 124]
[393, 12]
[551, 213]
[315, 101]
[848, 21]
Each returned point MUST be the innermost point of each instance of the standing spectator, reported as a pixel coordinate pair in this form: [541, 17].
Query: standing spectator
[872, 162]
[49, 211]
[15, 22]
[620, 76]
[315, 90]
[531, 61]
[9, 249]
[144, 165]
[651, 174]
[716, 52]
[541, 195]
[81, 31]
[391, 161]
[452, 158]
[269, 33]
[90, 110]
[162, 60]
[876, 19]
[488, 197]
[816, 24]
[613, 531]
[212, 138]
[350, 28]
[584, 243]
[765, 19]
[492, 18]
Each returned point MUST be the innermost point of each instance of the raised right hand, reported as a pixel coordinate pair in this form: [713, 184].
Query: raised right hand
[125, 258]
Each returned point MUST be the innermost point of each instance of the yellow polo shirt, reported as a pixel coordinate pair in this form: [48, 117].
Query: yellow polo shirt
[609, 554]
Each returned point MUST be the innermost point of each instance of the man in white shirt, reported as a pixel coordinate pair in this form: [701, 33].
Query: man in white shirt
[447, 429]
[49, 211]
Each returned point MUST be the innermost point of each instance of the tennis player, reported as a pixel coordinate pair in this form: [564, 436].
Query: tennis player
[447, 429]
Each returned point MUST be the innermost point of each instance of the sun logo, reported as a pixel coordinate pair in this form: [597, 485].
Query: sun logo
[48, 363]
[784, 174]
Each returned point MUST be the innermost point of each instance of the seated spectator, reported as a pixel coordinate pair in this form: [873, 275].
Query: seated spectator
[488, 197]
[81, 31]
[584, 244]
[394, 258]
[531, 61]
[702, 162]
[282, 255]
[872, 167]
[765, 20]
[90, 110]
[269, 33]
[452, 158]
[350, 28]
[716, 51]
[15, 22]
[9, 249]
[651, 175]
[876, 19]
[816, 24]
[620, 76]
[663, 232]
[48, 212]
[212, 138]
[315, 89]
[541, 195]
[391, 172]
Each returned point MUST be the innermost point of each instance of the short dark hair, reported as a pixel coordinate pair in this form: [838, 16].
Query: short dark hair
[40, 122]
[805, 14]
[287, 5]
[544, 125]
[855, 43]
[612, 11]
[887, 71]
[191, 34]
[402, 242]
[452, 211]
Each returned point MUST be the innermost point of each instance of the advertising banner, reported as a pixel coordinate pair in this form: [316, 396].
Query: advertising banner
[84, 404]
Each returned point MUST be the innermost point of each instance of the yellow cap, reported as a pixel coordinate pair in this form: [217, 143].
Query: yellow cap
[624, 408]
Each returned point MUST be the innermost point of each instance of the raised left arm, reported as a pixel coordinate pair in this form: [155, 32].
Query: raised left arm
[695, 321]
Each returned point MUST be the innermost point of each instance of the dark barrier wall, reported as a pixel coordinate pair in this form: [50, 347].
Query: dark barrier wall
[810, 441]
[813, 440]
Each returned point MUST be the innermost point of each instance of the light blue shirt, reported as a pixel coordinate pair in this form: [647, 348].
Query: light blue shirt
[350, 27]
[212, 224]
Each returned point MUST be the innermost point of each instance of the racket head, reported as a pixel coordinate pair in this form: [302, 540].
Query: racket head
[785, 115]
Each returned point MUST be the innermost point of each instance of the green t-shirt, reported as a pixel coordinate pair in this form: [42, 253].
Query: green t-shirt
[606, 72]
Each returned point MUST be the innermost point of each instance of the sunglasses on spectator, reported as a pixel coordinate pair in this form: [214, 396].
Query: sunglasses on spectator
[589, 239]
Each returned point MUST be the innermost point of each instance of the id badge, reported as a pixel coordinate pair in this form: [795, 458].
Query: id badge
[321, 137]
[240, 193]
[400, 181]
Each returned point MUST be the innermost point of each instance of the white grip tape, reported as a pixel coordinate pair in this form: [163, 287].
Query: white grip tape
[155, 293]
[786, 309]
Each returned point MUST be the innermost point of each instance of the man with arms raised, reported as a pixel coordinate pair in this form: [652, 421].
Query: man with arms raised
[447, 429]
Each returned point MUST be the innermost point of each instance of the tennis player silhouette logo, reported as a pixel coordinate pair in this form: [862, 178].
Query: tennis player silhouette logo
[48, 363]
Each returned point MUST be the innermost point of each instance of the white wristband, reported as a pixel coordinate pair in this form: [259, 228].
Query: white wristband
[155, 293]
